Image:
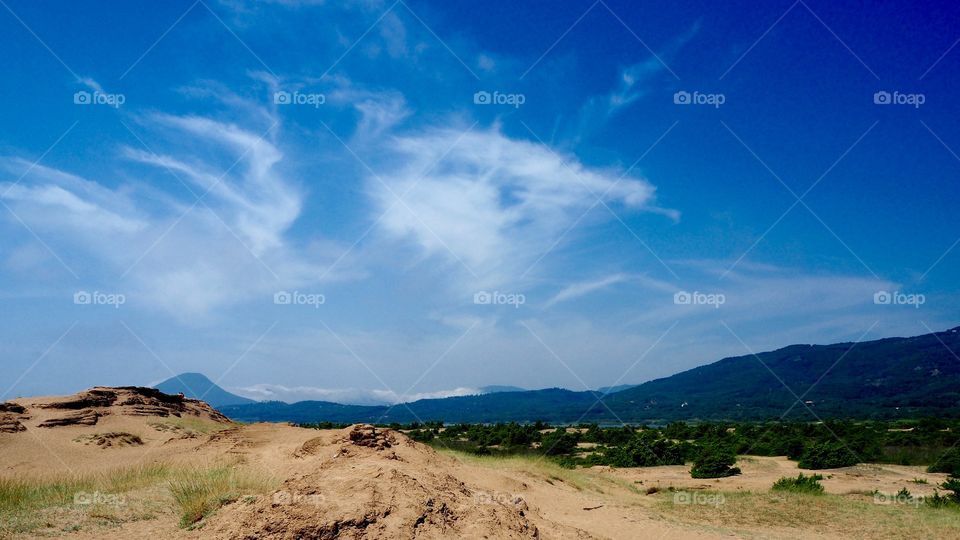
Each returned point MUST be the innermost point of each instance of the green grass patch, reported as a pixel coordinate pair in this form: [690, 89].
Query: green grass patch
[801, 484]
[190, 425]
[200, 492]
[22, 501]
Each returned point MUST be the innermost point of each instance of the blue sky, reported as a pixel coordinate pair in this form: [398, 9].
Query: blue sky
[371, 201]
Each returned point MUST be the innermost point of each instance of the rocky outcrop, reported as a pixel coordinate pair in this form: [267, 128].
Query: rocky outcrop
[10, 423]
[87, 417]
[97, 397]
[11, 407]
[111, 439]
[371, 437]
[132, 401]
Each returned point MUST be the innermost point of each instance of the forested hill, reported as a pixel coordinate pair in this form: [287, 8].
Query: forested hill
[887, 378]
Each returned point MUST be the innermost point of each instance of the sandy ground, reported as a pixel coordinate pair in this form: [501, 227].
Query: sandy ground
[759, 473]
[364, 483]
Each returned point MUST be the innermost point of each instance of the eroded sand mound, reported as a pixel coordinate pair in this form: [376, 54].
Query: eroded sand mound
[86, 408]
[58, 435]
[112, 439]
[369, 483]
[11, 415]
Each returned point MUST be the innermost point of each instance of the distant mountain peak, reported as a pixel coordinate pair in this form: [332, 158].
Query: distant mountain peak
[198, 386]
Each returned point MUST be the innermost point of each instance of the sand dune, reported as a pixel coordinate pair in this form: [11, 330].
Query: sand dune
[366, 482]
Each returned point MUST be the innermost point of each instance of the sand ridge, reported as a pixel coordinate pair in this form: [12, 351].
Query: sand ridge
[373, 483]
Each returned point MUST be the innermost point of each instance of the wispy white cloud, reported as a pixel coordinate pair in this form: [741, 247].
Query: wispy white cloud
[583, 288]
[349, 396]
[489, 201]
[177, 254]
[634, 82]
[67, 201]
[90, 83]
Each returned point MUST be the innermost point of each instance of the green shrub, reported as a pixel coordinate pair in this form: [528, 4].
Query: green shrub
[646, 450]
[952, 485]
[558, 442]
[948, 463]
[827, 455]
[937, 500]
[421, 435]
[801, 484]
[714, 461]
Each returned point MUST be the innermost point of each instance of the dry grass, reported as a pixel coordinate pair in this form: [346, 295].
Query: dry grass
[23, 502]
[546, 470]
[188, 425]
[751, 514]
[200, 492]
[853, 516]
[110, 498]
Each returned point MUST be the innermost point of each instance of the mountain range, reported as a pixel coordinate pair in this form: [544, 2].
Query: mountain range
[886, 378]
[198, 386]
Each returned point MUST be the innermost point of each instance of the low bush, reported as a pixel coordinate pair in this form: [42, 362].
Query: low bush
[558, 442]
[645, 449]
[714, 461]
[953, 486]
[827, 455]
[948, 463]
[801, 484]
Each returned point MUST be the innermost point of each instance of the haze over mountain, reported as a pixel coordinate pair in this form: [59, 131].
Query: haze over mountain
[198, 386]
[358, 396]
[886, 378]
